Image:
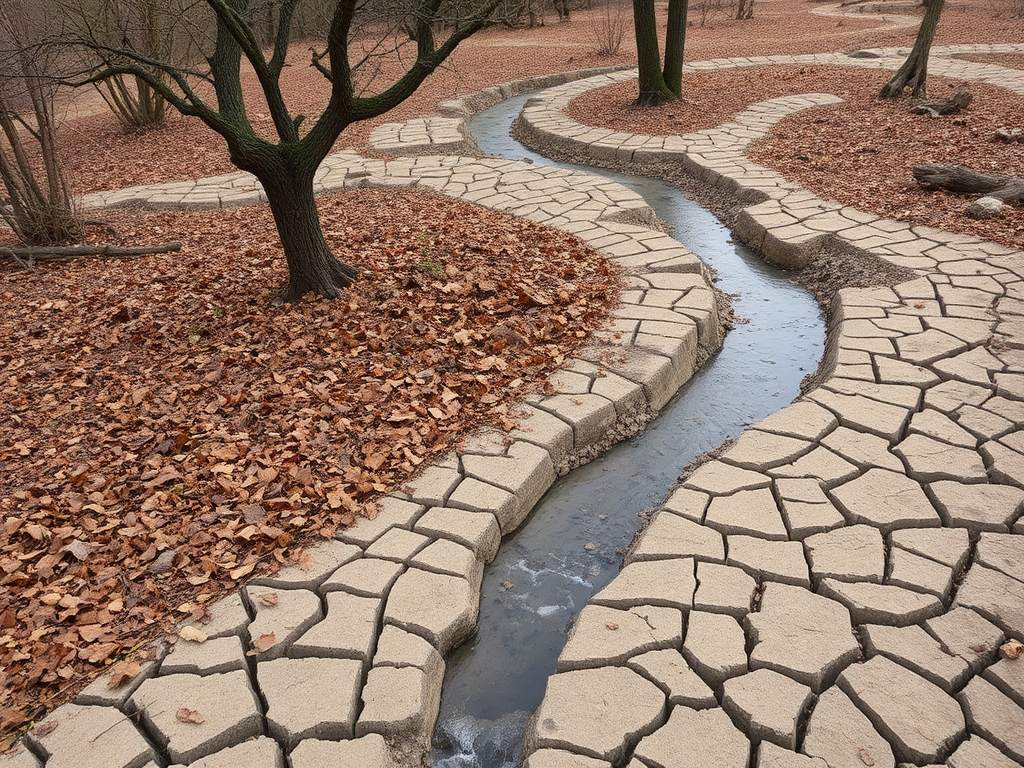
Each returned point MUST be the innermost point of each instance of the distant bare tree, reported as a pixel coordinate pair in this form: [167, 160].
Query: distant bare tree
[37, 205]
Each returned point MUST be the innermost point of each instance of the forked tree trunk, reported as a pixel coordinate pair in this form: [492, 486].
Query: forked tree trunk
[653, 88]
[675, 44]
[914, 72]
[312, 267]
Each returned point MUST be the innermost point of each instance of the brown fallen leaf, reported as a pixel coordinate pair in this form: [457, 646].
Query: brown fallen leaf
[268, 598]
[186, 715]
[122, 673]
[265, 642]
[1011, 649]
[611, 625]
[192, 634]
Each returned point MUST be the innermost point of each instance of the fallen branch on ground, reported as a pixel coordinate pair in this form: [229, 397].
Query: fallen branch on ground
[965, 181]
[958, 102]
[28, 256]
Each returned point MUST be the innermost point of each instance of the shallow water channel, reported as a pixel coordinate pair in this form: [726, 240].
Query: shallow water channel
[569, 547]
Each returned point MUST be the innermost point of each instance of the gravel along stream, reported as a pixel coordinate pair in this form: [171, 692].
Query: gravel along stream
[570, 546]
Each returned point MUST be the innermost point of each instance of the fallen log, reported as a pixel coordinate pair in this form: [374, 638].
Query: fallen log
[27, 256]
[956, 103]
[955, 178]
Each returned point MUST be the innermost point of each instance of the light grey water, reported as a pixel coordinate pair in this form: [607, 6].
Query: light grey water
[570, 546]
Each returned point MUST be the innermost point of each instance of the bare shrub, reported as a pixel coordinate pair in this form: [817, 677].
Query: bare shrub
[610, 28]
[38, 205]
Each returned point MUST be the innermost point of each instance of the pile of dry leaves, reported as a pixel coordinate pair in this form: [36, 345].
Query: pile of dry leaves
[164, 432]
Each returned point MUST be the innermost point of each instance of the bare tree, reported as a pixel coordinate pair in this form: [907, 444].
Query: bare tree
[914, 72]
[38, 205]
[286, 163]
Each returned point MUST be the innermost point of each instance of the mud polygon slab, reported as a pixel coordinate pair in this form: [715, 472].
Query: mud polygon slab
[672, 536]
[820, 464]
[862, 448]
[695, 739]
[20, 757]
[444, 556]
[919, 652]
[978, 753]
[93, 735]
[757, 450]
[99, 692]
[476, 496]
[314, 566]
[310, 698]
[769, 560]
[392, 512]
[219, 654]
[715, 647]
[397, 544]
[438, 607]
[802, 635]
[668, 583]
[994, 716]
[767, 705]
[226, 702]
[886, 500]
[432, 486]
[579, 715]
[1005, 464]
[398, 648]
[852, 553]
[228, 616]
[1008, 676]
[1003, 552]
[669, 671]
[918, 573]
[688, 503]
[723, 589]
[286, 614]
[401, 703]
[928, 346]
[255, 753]
[590, 416]
[996, 596]
[949, 546]
[546, 430]
[864, 414]
[348, 631]
[368, 752]
[806, 509]
[871, 603]
[718, 478]
[977, 506]
[559, 758]
[930, 460]
[773, 756]
[842, 736]
[921, 721]
[366, 577]
[477, 530]
[603, 635]
[967, 635]
[752, 512]
[803, 419]
[939, 426]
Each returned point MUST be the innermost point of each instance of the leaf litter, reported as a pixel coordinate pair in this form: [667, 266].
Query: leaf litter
[159, 412]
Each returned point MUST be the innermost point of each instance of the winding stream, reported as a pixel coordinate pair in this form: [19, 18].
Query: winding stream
[570, 546]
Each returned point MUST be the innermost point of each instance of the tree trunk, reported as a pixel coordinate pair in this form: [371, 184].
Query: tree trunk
[653, 89]
[675, 43]
[311, 264]
[914, 72]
